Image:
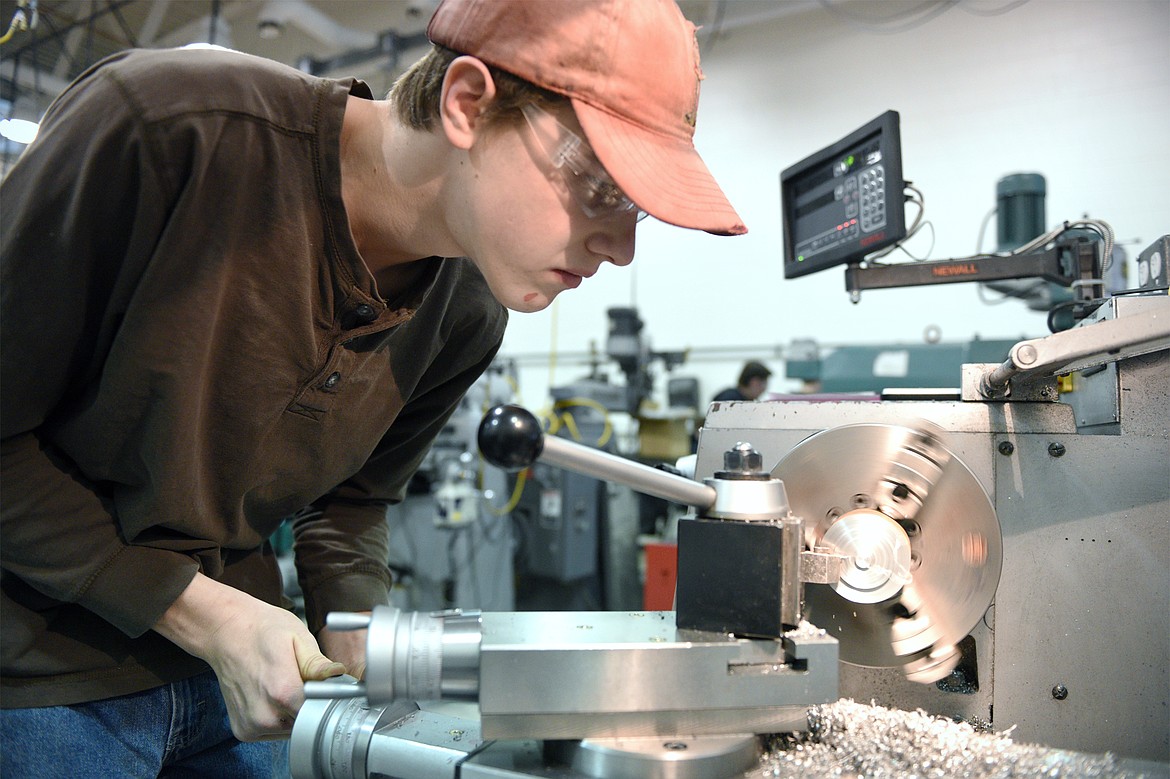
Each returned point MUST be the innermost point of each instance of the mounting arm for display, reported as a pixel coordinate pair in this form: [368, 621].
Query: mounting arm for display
[1072, 261]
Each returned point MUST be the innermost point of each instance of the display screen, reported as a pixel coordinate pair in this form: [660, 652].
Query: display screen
[845, 201]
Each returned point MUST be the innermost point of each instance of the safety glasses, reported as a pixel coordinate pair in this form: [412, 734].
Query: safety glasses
[595, 192]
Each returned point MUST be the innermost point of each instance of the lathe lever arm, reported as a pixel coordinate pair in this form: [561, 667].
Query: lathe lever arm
[510, 438]
[1082, 347]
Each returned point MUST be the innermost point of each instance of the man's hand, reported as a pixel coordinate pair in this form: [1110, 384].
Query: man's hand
[260, 653]
[346, 646]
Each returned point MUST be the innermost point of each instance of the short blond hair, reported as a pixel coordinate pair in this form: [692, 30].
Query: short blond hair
[415, 95]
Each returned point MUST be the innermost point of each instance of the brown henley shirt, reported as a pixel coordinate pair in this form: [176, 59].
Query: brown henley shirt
[191, 350]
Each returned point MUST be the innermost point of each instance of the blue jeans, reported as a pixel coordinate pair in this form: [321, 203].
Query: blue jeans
[177, 730]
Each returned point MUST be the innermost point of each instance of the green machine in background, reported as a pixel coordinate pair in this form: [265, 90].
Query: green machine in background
[875, 368]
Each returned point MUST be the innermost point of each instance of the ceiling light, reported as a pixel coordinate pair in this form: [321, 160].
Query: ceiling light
[19, 130]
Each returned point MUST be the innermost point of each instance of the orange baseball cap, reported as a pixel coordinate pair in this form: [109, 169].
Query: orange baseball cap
[631, 71]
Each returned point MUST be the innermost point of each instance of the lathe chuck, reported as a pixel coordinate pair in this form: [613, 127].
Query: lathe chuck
[868, 491]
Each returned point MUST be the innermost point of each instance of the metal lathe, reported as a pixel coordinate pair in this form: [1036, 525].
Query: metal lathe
[997, 556]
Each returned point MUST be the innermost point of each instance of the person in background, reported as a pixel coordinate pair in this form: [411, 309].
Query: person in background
[234, 293]
[752, 383]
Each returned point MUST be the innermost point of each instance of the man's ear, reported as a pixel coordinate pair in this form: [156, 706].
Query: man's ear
[468, 88]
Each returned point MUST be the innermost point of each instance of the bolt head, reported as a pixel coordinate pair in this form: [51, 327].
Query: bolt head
[1027, 354]
[744, 458]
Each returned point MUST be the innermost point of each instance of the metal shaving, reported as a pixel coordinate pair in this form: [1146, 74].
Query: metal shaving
[859, 741]
[806, 630]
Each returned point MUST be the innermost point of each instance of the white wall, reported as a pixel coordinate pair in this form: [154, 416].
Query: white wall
[1077, 90]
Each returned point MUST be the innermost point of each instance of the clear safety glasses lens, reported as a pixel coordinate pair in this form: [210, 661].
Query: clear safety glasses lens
[591, 186]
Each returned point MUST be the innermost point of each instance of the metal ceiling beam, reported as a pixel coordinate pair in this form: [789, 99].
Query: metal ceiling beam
[111, 5]
[32, 83]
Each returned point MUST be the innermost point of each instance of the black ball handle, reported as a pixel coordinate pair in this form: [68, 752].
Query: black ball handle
[510, 437]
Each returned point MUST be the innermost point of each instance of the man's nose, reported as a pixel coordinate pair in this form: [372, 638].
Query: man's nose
[615, 242]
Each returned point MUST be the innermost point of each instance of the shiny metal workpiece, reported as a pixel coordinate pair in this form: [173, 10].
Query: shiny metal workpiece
[874, 493]
[877, 552]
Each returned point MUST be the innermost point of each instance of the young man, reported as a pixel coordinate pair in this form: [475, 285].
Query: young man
[752, 382]
[232, 291]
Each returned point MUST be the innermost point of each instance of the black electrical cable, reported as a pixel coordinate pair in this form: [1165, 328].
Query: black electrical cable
[1057, 309]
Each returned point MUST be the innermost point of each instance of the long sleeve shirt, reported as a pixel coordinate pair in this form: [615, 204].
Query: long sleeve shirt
[191, 350]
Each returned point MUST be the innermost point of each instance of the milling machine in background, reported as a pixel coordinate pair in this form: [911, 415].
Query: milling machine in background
[577, 537]
[451, 539]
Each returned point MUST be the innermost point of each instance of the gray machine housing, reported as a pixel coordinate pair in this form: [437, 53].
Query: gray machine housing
[1075, 650]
